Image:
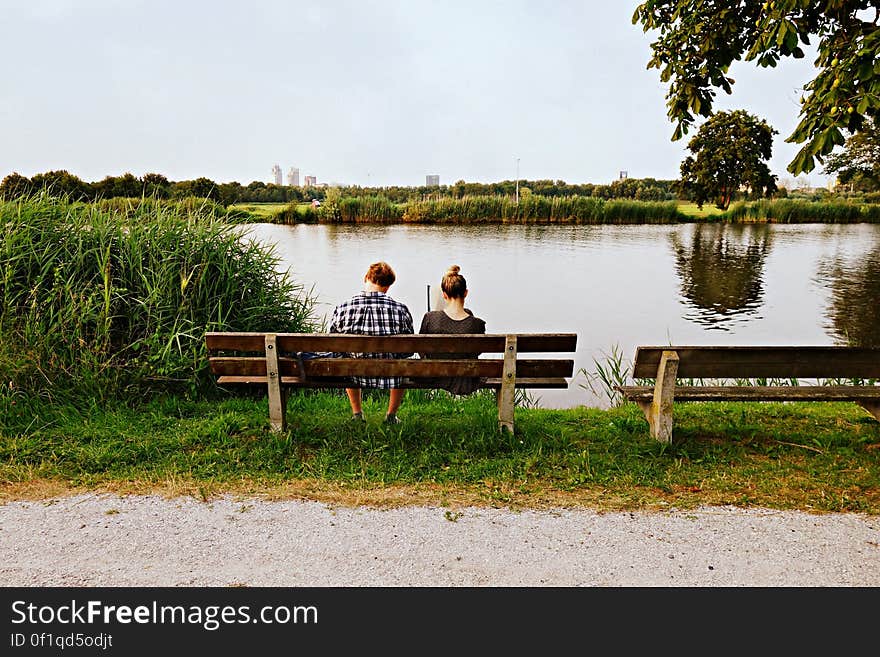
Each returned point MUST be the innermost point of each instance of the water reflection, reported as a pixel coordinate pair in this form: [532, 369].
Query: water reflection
[721, 273]
[853, 312]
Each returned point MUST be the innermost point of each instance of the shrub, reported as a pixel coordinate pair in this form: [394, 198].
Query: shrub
[99, 303]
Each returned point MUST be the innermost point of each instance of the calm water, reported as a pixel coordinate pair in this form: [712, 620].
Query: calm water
[615, 286]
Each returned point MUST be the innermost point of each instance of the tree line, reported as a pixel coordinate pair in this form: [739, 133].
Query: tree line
[155, 185]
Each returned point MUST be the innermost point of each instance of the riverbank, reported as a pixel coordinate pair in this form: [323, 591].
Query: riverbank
[566, 210]
[815, 457]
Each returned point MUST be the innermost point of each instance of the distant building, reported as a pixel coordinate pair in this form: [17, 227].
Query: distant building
[432, 181]
[293, 177]
[276, 174]
[310, 181]
[623, 175]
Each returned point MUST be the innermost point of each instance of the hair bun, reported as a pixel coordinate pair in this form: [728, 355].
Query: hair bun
[453, 270]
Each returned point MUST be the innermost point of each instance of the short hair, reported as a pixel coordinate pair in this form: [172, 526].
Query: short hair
[453, 283]
[381, 274]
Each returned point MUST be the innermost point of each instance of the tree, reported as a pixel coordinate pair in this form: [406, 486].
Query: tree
[13, 186]
[730, 149]
[858, 164]
[62, 183]
[700, 39]
[156, 185]
[200, 188]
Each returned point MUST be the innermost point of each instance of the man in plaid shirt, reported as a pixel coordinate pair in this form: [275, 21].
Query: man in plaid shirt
[373, 312]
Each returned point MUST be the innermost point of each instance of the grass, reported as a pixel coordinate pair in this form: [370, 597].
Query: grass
[261, 211]
[693, 210]
[96, 298]
[814, 456]
[557, 210]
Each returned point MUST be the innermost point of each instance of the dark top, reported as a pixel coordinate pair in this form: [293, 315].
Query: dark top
[437, 321]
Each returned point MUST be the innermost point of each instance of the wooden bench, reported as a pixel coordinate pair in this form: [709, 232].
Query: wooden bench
[667, 364]
[270, 359]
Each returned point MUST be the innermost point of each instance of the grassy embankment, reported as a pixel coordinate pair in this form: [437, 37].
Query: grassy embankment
[105, 388]
[819, 457]
[475, 210]
[559, 210]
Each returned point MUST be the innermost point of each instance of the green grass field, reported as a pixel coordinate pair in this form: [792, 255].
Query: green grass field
[691, 209]
[260, 210]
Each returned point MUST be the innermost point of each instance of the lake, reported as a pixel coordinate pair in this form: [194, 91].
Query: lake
[616, 286]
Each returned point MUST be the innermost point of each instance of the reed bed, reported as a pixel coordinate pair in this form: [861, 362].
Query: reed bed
[369, 209]
[147, 206]
[101, 301]
[536, 209]
[295, 213]
[787, 211]
[533, 209]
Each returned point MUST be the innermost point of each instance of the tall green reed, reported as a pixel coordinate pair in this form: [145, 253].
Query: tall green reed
[612, 370]
[533, 209]
[791, 211]
[102, 302]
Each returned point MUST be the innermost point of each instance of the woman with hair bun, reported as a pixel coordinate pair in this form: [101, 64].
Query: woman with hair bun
[454, 318]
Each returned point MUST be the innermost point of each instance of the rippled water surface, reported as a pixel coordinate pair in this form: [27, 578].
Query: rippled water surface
[615, 286]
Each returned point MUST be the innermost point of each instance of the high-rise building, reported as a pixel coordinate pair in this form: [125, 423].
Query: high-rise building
[276, 174]
[310, 181]
[432, 181]
[293, 177]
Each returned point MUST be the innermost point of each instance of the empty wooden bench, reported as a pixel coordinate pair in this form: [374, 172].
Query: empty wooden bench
[270, 360]
[668, 364]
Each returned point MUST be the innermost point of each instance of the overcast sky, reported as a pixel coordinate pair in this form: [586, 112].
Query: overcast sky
[379, 92]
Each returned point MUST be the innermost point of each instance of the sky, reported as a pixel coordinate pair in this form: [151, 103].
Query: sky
[368, 92]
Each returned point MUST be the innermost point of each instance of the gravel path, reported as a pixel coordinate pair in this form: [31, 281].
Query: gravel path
[106, 540]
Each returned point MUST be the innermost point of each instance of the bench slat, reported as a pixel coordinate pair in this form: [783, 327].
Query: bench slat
[719, 362]
[490, 383]
[428, 343]
[256, 366]
[757, 393]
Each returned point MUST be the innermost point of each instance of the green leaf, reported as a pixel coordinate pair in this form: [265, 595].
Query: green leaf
[780, 35]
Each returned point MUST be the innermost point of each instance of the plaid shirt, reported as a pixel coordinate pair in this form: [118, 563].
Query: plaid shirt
[373, 313]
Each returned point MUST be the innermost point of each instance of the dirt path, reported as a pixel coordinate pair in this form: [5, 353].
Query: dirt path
[111, 540]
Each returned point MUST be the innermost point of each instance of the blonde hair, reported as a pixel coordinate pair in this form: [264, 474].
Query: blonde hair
[381, 274]
[453, 284]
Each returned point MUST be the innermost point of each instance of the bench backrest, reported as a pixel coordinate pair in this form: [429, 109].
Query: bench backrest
[733, 362]
[432, 344]
[226, 354]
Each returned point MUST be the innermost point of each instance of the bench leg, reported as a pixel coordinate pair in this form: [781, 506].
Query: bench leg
[505, 412]
[277, 397]
[659, 411]
[507, 392]
[872, 406]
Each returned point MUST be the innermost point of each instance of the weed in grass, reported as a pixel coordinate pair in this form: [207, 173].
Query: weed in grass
[611, 371]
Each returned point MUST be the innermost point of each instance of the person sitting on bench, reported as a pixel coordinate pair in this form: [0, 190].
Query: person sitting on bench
[373, 312]
[454, 318]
